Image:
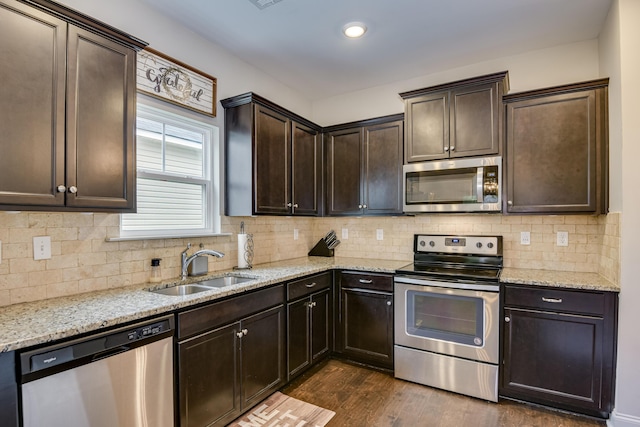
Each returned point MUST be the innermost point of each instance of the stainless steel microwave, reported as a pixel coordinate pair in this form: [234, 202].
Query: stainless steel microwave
[458, 185]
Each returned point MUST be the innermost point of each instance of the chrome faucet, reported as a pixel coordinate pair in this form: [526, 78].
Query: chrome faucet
[186, 260]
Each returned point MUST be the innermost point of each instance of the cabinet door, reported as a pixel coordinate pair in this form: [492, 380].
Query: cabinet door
[306, 157]
[382, 171]
[32, 70]
[555, 357]
[367, 326]
[474, 121]
[344, 195]
[551, 154]
[272, 162]
[101, 103]
[427, 127]
[262, 355]
[209, 378]
[299, 338]
[321, 324]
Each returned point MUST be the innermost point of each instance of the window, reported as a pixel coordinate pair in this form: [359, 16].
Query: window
[177, 185]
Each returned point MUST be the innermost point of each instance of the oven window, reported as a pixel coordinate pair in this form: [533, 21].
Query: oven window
[451, 318]
[437, 187]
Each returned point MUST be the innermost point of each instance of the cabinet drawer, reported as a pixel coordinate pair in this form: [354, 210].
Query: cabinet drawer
[558, 300]
[378, 282]
[307, 285]
[200, 319]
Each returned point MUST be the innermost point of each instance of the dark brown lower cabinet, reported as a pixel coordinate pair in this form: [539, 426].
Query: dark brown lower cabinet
[559, 348]
[309, 333]
[224, 371]
[8, 390]
[365, 320]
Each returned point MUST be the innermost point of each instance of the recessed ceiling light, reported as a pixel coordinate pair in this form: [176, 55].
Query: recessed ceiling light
[354, 29]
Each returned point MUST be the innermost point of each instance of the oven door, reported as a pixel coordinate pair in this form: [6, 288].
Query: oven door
[434, 316]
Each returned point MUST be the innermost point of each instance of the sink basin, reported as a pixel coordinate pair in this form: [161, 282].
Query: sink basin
[206, 285]
[182, 290]
[221, 282]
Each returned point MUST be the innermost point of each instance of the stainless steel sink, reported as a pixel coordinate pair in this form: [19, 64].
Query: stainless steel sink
[221, 282]
[182, 290]
[205, 285]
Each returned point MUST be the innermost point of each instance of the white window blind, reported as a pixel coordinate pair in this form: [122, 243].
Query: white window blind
[175, 189]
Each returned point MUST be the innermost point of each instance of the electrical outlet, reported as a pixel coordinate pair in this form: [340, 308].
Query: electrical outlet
[379, 234]
[562, 238]
[525, 238]
[345, 233]
[295, 234]
[42, 247]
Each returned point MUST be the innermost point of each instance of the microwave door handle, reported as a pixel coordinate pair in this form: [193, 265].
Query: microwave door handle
[480, 184]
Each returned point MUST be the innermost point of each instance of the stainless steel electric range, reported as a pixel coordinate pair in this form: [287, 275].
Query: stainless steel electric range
[446, 314]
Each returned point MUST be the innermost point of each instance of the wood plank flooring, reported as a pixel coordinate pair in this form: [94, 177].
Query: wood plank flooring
[367, 398]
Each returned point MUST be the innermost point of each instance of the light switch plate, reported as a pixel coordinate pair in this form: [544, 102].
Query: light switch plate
[525, 238]
[380, 234]
[562, 238]
[345, 233]
[295, 234]
[42, 247]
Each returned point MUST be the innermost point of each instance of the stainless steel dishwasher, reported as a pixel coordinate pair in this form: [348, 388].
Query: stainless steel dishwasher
[119, 378]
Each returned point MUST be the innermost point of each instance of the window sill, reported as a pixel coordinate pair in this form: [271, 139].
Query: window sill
[164, 237]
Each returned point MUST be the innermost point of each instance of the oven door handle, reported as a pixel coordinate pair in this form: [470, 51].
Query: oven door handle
[474, 286]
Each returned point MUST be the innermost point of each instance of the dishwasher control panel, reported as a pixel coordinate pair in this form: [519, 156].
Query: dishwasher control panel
[96, 346]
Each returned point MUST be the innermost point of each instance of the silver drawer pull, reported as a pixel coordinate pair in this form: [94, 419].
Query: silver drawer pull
[553, 300]
[365, 281]
[311, 285]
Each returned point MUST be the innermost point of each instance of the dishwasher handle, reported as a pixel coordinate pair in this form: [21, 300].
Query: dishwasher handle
[110, 352]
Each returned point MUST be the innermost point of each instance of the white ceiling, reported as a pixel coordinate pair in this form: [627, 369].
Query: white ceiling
[299, 42]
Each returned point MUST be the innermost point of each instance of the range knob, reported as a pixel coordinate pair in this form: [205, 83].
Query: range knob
[490, 245]
[423, 243]
[478, 245]
[432, 243]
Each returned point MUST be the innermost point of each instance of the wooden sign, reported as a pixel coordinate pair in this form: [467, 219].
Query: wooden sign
[171, 80]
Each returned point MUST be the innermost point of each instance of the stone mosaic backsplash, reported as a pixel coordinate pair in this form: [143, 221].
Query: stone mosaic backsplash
[83, 261]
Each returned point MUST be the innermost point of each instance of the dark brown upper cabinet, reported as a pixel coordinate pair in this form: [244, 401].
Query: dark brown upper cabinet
[457, 119]
[557, 149]
[364, 167]
[273, 159]
[68, 127]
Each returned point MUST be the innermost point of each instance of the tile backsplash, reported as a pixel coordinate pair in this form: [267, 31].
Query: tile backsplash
[82, 260]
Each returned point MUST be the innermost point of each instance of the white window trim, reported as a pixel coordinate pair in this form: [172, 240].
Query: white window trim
[212, 187]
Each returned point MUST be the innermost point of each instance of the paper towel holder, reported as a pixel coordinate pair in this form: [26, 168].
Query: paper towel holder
[248, 250]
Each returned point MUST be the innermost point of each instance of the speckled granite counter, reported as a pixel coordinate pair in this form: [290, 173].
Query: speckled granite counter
[561, 279]
[28, 324]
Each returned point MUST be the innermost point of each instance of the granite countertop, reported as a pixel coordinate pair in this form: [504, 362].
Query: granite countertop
[34, 323]
[559, 279]
[29, 324]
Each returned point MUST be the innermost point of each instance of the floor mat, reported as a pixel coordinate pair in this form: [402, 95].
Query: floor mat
[280, 410]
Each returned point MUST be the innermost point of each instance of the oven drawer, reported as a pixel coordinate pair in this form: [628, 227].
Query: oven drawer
[556, 300]
[308, 285]
[376, 282]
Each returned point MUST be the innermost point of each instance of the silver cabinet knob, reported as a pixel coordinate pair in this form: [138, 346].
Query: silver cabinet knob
[295, 205]
[289, 204]
[510, 203]
[507, 319]
[446, 149]
[73, 189]
[388, 302]
[453, 148]
[359, 206]
[61, 189]
[364, 206]
[239, 334]
[245, 332]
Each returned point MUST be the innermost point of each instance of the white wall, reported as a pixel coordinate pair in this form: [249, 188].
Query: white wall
[620, 59]
[530, 70]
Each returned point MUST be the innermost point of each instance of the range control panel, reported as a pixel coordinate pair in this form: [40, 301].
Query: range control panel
[467, 245]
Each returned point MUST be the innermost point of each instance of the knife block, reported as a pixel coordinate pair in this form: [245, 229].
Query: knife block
[321, 249]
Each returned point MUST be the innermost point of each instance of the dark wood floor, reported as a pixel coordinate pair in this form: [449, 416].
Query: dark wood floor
[364, 397]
